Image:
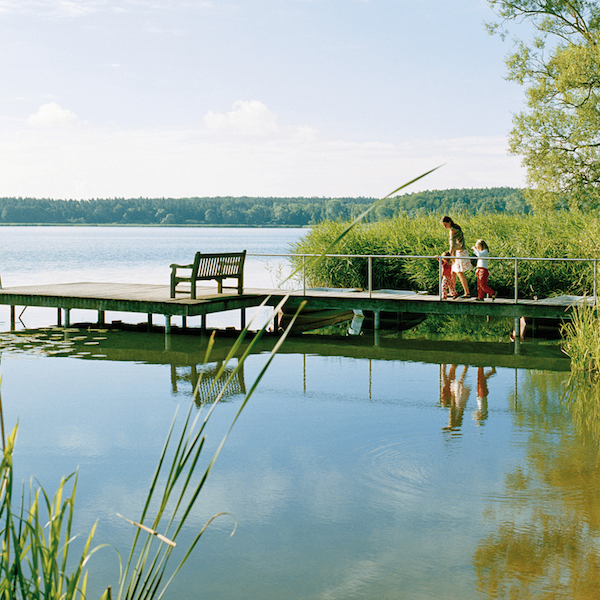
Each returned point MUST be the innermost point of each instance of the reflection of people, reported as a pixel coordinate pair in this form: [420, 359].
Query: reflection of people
[481, 251]
[459, 395]
[522, 325]
[481, 413]
[462, 262]
[448, 277]
[445, 380]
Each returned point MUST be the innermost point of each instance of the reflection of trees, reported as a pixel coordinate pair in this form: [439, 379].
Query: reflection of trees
[547, 542]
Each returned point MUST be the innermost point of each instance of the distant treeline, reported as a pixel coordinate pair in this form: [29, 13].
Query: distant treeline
[274, 212]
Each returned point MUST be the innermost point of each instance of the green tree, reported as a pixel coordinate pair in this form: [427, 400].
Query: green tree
[558, 134]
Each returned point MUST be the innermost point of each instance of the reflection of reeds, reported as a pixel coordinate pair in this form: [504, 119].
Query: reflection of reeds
[582, 397]
[33, 561]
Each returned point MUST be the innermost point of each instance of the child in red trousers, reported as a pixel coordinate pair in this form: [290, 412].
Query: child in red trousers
[448, 277]
[481, 251]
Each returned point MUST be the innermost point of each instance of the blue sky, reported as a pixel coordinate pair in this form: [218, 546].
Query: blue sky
[105, 98]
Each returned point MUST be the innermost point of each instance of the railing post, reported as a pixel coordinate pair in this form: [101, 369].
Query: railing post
[440, 276]
[370, 275]
[595, 274]
[304, 274]
[516, 282]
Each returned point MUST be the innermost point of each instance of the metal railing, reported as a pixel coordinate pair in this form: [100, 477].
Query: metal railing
[371, 257]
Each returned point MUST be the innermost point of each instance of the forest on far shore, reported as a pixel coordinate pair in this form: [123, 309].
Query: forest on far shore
[253, 212]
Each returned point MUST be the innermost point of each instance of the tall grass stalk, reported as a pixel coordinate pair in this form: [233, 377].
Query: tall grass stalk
[35, 560]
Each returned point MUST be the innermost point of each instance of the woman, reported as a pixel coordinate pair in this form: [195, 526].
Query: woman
[461, 262]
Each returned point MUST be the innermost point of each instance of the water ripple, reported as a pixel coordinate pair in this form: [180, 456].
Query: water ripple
[427, 468]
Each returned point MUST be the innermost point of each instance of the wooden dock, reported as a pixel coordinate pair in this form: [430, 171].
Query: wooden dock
[155, 300]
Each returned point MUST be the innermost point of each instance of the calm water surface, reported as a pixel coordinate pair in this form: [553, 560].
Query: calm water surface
[350, 474]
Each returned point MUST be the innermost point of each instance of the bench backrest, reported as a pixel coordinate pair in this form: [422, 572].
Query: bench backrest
[219, 265]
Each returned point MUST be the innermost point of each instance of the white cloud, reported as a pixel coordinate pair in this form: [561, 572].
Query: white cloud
[52, 115]
[54, 158]
[247, 117]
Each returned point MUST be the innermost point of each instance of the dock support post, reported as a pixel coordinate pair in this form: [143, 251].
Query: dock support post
[149, 322]
[67, 317]
[376, 326]
[12, 317]
[59, 317]
[377, 320]
[203, 322]
[243, 318]
[167, 332]
[183, 322]
[101, 317]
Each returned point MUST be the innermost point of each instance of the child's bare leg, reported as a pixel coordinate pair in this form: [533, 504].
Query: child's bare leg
[463, 282]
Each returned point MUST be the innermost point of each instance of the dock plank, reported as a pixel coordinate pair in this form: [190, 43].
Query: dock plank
[155, 299]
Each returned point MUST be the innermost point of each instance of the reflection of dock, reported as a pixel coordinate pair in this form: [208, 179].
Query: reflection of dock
[155, 300]
[205, 380]
[185, 351]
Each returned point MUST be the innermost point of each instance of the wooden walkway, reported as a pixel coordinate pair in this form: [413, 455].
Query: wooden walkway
[155, 300]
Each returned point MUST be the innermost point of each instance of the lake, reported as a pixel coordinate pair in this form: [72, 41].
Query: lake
[351, 473]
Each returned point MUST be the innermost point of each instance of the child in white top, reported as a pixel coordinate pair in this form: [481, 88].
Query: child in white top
[481, 251]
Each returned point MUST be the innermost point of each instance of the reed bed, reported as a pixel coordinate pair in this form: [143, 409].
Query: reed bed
[559, 235]
[582, 339]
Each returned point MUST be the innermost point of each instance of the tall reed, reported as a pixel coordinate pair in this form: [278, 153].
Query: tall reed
[582, 338]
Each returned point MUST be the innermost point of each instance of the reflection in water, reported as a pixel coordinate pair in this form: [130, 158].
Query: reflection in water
[582, 397]
[511, 509]
[546, 541]
[481, 414]
[454, 394]
[208, 382]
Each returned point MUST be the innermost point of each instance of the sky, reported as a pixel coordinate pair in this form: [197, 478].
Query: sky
[183, 98]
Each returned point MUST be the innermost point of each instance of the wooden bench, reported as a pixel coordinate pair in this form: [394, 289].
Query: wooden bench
[208, 267]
